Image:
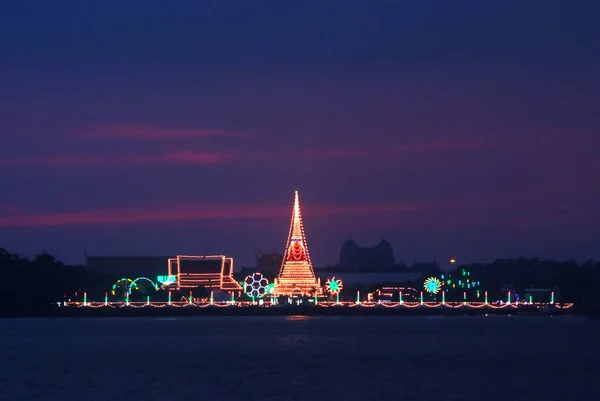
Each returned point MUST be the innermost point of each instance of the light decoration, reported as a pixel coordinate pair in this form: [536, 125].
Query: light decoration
[85, 299]
[552, 297]
[219, 278]
[166, 280]
[255, 285]
[460, 279]
[133, 286]
[296, 275]
[122, 286]
[334, 286]
[432, 285]
[322, 304]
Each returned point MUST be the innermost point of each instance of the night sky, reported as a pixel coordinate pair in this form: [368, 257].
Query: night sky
[466, 129]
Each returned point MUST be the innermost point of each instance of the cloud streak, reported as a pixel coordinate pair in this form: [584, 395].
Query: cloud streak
[195, 157]
[146, 132]
[181, 157]
[453, 213]
[187, 212]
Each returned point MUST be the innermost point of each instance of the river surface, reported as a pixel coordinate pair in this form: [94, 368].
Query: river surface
[301, 358]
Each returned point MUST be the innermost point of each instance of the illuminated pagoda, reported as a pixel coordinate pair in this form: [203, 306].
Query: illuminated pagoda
[297, 276]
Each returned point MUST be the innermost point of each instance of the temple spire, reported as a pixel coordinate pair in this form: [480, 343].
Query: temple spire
[296, 274]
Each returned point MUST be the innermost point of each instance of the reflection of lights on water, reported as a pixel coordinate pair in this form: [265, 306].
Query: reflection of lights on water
[296, 317]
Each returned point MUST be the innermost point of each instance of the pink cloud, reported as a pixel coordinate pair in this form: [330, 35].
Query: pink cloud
[194, 157]
[449, 214]
[185, 157]
[145, 132]
[189, 212]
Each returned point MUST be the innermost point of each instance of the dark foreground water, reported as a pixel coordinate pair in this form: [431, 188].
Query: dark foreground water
[298, 358]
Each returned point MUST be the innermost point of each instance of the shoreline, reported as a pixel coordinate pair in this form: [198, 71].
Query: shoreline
[248, 311]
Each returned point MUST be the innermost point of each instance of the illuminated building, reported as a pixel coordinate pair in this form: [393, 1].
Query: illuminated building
[297, 276]
[211, 272]
[395, 293]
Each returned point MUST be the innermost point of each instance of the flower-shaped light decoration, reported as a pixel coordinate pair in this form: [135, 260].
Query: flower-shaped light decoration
[432, 285]
[334, 286]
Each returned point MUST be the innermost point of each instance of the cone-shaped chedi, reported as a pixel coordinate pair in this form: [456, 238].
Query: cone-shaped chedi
[297, 275]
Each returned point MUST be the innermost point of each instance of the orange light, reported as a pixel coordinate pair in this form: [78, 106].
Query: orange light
[297, 274]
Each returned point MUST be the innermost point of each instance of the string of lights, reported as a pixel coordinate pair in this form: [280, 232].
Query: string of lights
[322, 304]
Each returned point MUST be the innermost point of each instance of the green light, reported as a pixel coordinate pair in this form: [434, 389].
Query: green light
[334, 286]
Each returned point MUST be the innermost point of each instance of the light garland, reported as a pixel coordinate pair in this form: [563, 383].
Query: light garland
[324, 304]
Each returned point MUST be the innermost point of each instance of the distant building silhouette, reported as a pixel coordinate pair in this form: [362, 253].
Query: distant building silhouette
[128, 266]
[356, 258]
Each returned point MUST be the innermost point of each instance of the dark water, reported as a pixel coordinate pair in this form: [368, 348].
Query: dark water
[392, 358]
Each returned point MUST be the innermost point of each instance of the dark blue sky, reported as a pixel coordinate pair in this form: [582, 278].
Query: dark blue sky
[453, 129]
